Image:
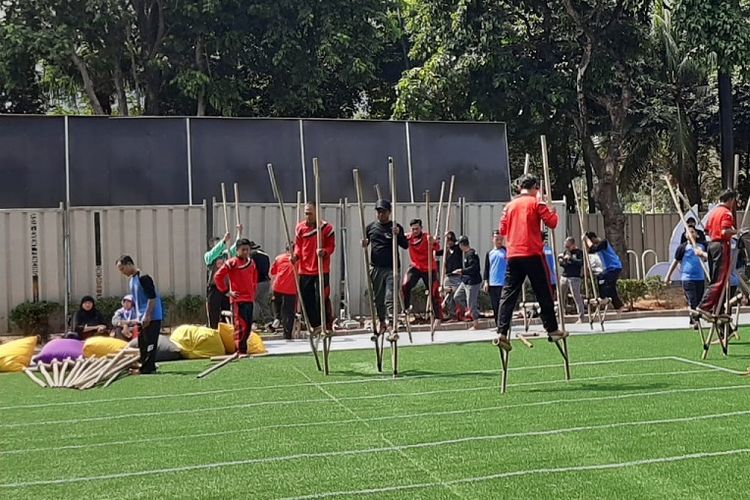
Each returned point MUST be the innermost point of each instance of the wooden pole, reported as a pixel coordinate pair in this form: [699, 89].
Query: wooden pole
[215, 367]
[321, 276]
[237, 204]
[33, 378]
[290, 245]
[368, 278]
[561, 313]
[693, 243]
[394, 255]
[224, 207]
[587, 274]
[430, 258]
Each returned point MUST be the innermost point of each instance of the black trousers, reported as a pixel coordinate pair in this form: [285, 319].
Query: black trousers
[694, 292]
[719, 263]
[216, 302]
[495, 294]
[519, 268]
[147, 341]
[608, 287]
[309, 287]
[284, 308]
[412, 277]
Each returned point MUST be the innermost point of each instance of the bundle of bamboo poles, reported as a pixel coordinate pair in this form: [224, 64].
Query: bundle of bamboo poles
[84, 373]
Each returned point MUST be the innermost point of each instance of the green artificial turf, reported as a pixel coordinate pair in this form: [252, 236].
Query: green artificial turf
[636, 421]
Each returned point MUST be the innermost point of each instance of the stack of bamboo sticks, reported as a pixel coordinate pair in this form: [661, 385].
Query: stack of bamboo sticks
[84, 373]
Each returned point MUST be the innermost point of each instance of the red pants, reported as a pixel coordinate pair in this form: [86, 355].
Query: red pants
[242, 313]
[719, 263]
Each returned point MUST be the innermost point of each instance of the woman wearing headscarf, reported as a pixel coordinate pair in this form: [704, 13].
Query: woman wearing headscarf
[87, 320]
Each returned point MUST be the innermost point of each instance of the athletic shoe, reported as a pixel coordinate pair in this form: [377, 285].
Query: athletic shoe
[276, 323]
[503, 343]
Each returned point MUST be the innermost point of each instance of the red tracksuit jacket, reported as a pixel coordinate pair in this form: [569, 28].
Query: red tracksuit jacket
[306, 246]
[521, 225]
[418, 251]
[243, 279]
[282, 272]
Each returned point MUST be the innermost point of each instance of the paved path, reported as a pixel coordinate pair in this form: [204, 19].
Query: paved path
[362, 341]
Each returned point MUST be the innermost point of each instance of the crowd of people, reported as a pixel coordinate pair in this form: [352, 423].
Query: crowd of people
[242, 279]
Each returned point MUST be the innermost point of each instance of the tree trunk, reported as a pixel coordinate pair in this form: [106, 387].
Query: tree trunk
[200, 66]
[614, 219]
[727, 133]
[122, 100]
[589, 184]
[88, 83]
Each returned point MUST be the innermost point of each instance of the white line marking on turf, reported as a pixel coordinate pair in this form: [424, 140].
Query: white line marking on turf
[346, 398]
[529, 472]
[367, 451]
[382, 436]
[347, 421]
[337, 382]
[706, 365]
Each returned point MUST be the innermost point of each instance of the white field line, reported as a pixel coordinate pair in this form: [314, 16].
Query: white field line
[337, 382]
[368, 451]
[707, 365]
[389, 395]
[383, 438]
[529, 472]
[326, 423]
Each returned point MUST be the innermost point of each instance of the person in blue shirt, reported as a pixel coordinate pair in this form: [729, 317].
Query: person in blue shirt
[611, 267]
[549, 255]
[495, 264]
[692, 275]
[147, 304]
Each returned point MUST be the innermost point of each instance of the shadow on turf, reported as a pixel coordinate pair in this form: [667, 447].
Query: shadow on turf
[569, 387]
[414, 373]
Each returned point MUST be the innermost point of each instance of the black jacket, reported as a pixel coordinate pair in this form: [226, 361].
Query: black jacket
[381, 238]
[472, 273]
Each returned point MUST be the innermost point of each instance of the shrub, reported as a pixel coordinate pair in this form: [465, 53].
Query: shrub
[631, 291]
[655, 288]
[37, 318]
[190, 309]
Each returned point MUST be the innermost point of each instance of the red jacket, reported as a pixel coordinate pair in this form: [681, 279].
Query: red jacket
[418, 251]
[243, 279]
[282, 272]
[306, 246]
[719, 219]
[521, 225]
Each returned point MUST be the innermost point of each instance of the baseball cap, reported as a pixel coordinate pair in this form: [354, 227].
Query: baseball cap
[254, 246]
[463, 240]
[128, 297]
[383, 205]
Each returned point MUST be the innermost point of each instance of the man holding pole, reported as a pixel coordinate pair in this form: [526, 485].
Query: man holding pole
[306, 254]
[214, 259]
[720, 227]
[420, 244]
[520, 224]
[379, 236]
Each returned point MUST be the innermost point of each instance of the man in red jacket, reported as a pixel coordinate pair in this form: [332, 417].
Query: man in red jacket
[284, 292]
[306, 253]
[519, 225]
[243, 281]
[720, 228]
[420, 245]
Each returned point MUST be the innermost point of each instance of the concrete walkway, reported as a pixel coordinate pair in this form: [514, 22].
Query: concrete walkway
[362, 341]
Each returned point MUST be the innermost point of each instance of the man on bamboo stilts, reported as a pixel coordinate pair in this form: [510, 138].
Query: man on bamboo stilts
[420, 244]
[720, 228]
[380, 234]
[519, 225]
[306, 254]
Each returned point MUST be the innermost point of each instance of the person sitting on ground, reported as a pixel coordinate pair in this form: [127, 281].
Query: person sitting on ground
[467, 295]
[87, 320]
[124, 319]
[692, 275]
[612, 267]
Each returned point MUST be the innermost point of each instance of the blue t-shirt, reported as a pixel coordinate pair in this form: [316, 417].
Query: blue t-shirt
[610, 259]
[691, 268]
[142, 289]
[498, 263]
[550, 256]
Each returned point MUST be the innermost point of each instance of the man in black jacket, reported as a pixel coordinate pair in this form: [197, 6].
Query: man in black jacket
[380, 235]
[467, 295]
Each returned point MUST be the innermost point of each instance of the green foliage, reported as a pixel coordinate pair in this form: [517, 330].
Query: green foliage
[190, 309]
[655, 288]
[631, 291]
[36, 318]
